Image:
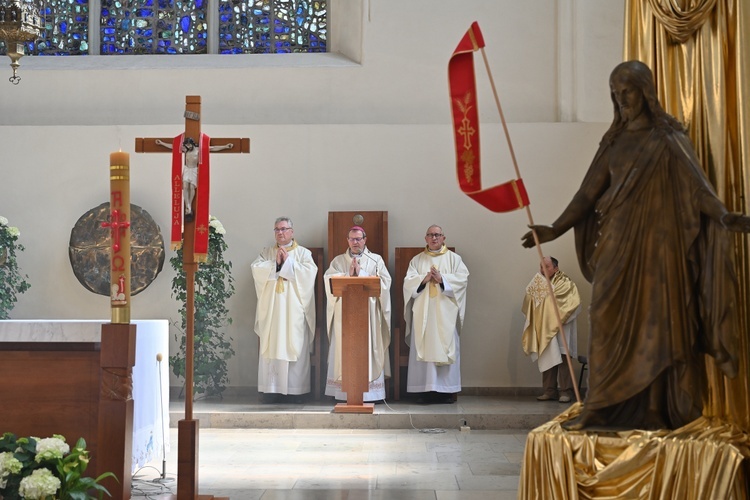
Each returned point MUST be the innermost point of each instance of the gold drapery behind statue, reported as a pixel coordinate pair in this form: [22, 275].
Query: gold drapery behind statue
[700, 461]
[699, 53]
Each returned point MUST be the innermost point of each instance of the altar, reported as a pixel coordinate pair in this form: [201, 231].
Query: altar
[150, 376]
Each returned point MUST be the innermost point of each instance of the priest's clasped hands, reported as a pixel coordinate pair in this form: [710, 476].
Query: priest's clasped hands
[433, 275]
[354, 267]
[281, 255]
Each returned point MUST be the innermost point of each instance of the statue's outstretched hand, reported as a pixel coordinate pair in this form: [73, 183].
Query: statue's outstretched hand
[544, 233]
[736, 222]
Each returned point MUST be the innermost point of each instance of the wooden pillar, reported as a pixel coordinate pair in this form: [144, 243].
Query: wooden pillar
[115, 435]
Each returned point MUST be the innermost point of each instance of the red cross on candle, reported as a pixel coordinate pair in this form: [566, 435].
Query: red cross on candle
[116, 223]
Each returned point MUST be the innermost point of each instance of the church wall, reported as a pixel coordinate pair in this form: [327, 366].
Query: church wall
[544, 54]
[327, 133]
[407, 170]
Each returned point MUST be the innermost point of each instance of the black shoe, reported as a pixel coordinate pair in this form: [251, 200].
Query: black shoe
[435, 398]
[423, 398]
[443, 399]
[269, 398]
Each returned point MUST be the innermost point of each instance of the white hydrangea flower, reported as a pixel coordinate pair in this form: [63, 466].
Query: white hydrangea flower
[39, 485]
[3, 221]
[8, 465]
[13, 231]
[51, 448]
[217, 225]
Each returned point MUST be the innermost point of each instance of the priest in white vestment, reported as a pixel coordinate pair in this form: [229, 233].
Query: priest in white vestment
[540, 338]
[435, 304]
[284, 276]
[359, 261]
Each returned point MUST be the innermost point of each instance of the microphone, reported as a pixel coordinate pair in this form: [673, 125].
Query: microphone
[159, 357]
[372, 259]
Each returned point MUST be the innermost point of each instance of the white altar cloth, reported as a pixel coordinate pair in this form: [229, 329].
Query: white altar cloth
[150, 377]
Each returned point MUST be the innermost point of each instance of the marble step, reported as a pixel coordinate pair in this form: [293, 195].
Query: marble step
[470, 412]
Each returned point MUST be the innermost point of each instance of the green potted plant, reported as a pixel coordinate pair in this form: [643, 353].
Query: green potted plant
[42, 469]
[214, 285]
[12, 282]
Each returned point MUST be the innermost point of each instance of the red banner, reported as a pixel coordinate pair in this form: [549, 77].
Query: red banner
[504, 197]
[201, 197]
[201, 200]
[177, 210]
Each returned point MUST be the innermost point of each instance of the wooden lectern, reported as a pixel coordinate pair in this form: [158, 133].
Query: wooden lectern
[355, 293]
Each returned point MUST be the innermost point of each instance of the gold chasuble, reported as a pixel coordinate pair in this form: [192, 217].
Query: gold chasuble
[541, 323]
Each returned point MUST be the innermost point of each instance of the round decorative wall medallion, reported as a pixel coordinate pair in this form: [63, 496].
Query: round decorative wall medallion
[89, 250]
[358, 219]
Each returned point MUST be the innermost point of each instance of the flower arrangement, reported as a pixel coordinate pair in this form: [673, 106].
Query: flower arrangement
[12, 282]
[45, 469]
[214, 285]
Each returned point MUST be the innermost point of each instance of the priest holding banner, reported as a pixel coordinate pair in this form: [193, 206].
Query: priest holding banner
[435, 303]
[541, 334]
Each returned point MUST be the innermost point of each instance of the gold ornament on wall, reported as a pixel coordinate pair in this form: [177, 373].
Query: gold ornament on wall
[20, 22]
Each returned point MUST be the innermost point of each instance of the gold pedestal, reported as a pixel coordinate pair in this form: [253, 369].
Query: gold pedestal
[705, 459]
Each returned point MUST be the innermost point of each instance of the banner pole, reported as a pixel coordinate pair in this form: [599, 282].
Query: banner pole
[531, 223]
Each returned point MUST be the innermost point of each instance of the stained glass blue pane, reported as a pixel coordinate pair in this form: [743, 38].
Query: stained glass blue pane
[129, 27]
[158, 25]
[65, 27]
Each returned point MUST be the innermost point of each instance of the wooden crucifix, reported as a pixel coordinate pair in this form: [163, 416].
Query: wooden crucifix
[190, 217]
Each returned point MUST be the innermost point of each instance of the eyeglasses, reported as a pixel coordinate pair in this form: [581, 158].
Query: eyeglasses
[281, 229]
[355, 240]
[434, 235]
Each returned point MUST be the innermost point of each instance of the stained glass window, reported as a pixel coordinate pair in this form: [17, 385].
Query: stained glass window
[153, 27]
[65, 29]
[267, 26]
[183, 27]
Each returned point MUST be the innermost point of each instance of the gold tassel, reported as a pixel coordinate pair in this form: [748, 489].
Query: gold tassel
[280, 285]
[433, 289]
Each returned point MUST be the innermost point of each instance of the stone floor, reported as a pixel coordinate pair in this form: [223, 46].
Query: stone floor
[403, 450]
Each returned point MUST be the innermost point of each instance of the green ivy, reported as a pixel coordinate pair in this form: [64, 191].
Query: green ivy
[214, 285]
[12, 282]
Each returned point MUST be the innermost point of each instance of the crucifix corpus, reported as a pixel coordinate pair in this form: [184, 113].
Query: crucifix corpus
[189, 230]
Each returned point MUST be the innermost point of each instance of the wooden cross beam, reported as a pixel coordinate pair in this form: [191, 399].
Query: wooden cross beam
[187, 467]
